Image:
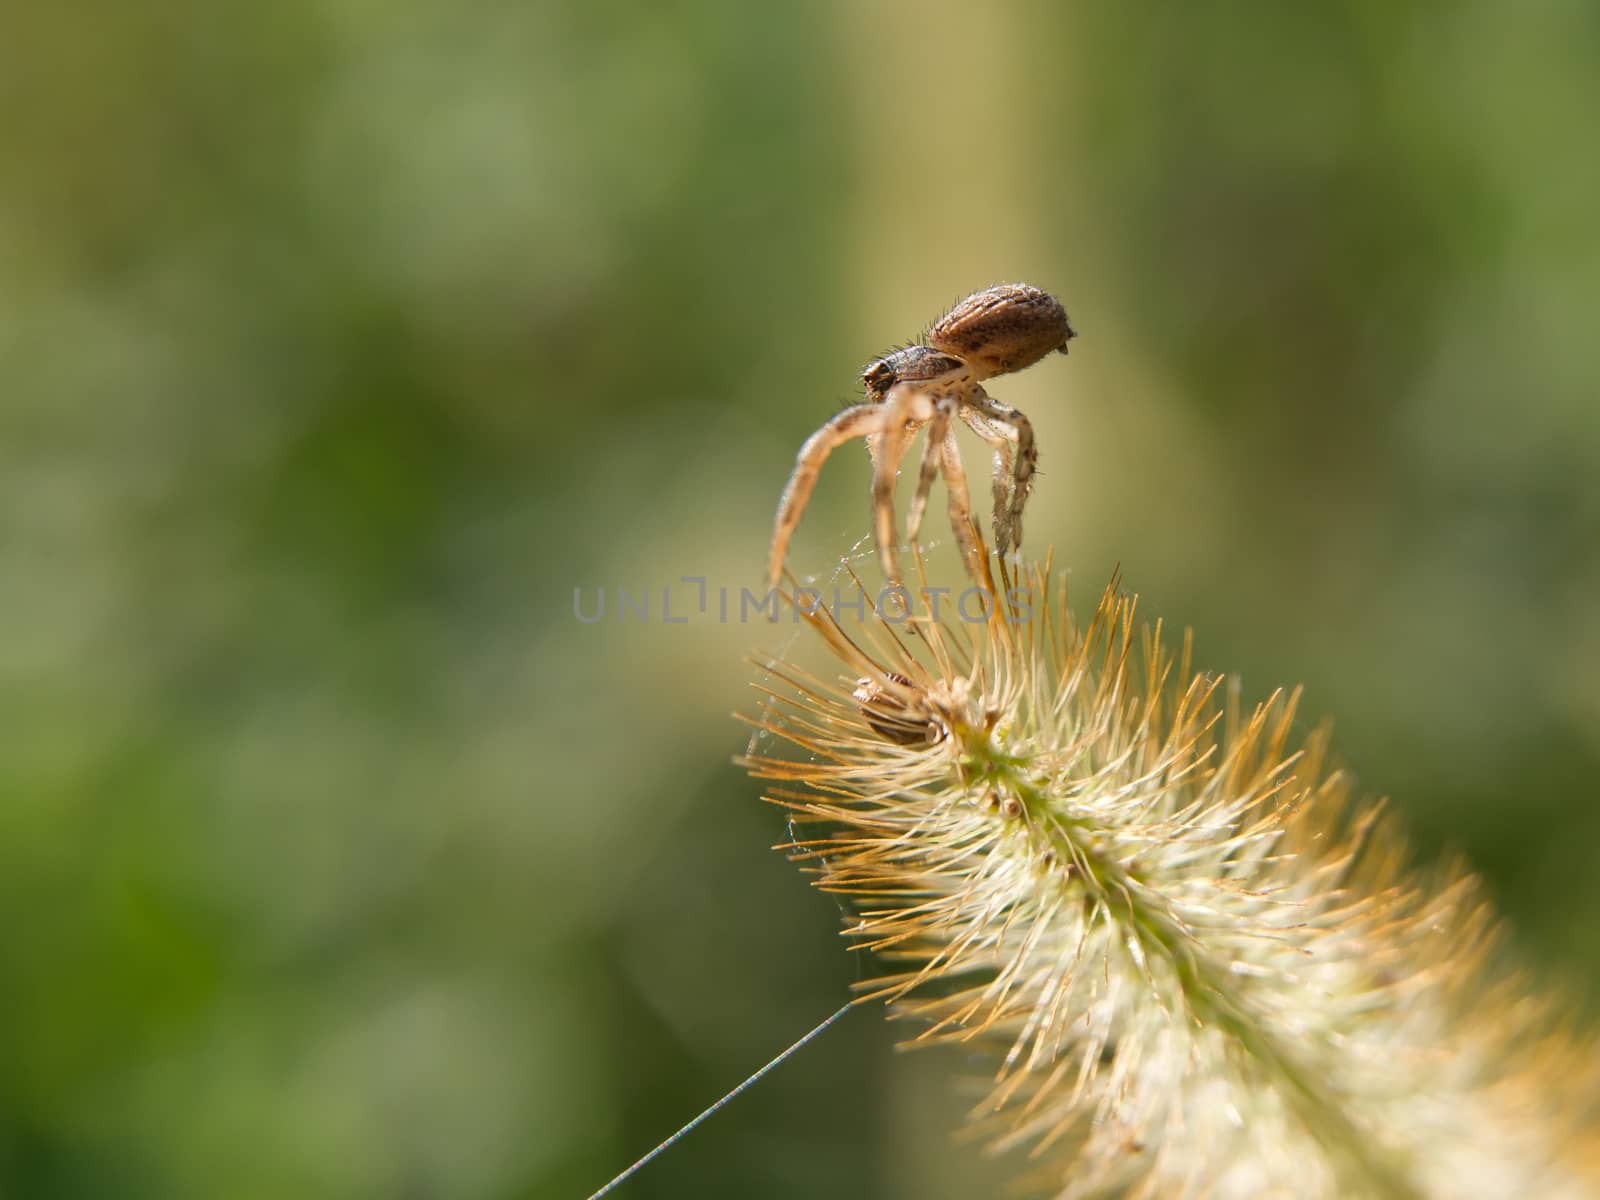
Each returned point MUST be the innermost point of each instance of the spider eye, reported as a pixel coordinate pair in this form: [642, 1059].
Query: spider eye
[878, 378]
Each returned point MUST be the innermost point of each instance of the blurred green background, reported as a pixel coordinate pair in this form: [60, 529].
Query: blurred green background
[340, 341]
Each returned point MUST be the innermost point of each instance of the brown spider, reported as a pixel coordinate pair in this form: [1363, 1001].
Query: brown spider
[993, 332]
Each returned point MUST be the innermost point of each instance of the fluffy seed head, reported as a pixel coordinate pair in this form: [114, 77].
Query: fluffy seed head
[1200, 967]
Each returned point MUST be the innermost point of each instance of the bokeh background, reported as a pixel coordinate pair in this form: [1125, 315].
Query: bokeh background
[340, 341]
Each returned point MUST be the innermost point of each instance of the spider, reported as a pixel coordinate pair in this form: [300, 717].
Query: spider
[993, 332]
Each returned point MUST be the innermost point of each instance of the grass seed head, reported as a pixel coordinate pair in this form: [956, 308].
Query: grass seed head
[1200, 967]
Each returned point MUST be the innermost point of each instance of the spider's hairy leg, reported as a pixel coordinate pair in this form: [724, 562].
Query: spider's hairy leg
[955, 484]
[997, 438]
[861, 420]
[1020, 430]
[906, 409]
[931, 456]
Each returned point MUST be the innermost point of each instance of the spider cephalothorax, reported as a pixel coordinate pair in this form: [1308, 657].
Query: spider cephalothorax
[914, 364]
[993, 332]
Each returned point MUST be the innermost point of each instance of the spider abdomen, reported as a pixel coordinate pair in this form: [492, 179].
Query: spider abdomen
[1003, 328]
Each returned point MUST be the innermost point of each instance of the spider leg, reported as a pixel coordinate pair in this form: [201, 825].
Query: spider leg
[906, 409]
[931, 456]
[863, 419]
[955, 485]
[1018, 428]
[991, 433]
